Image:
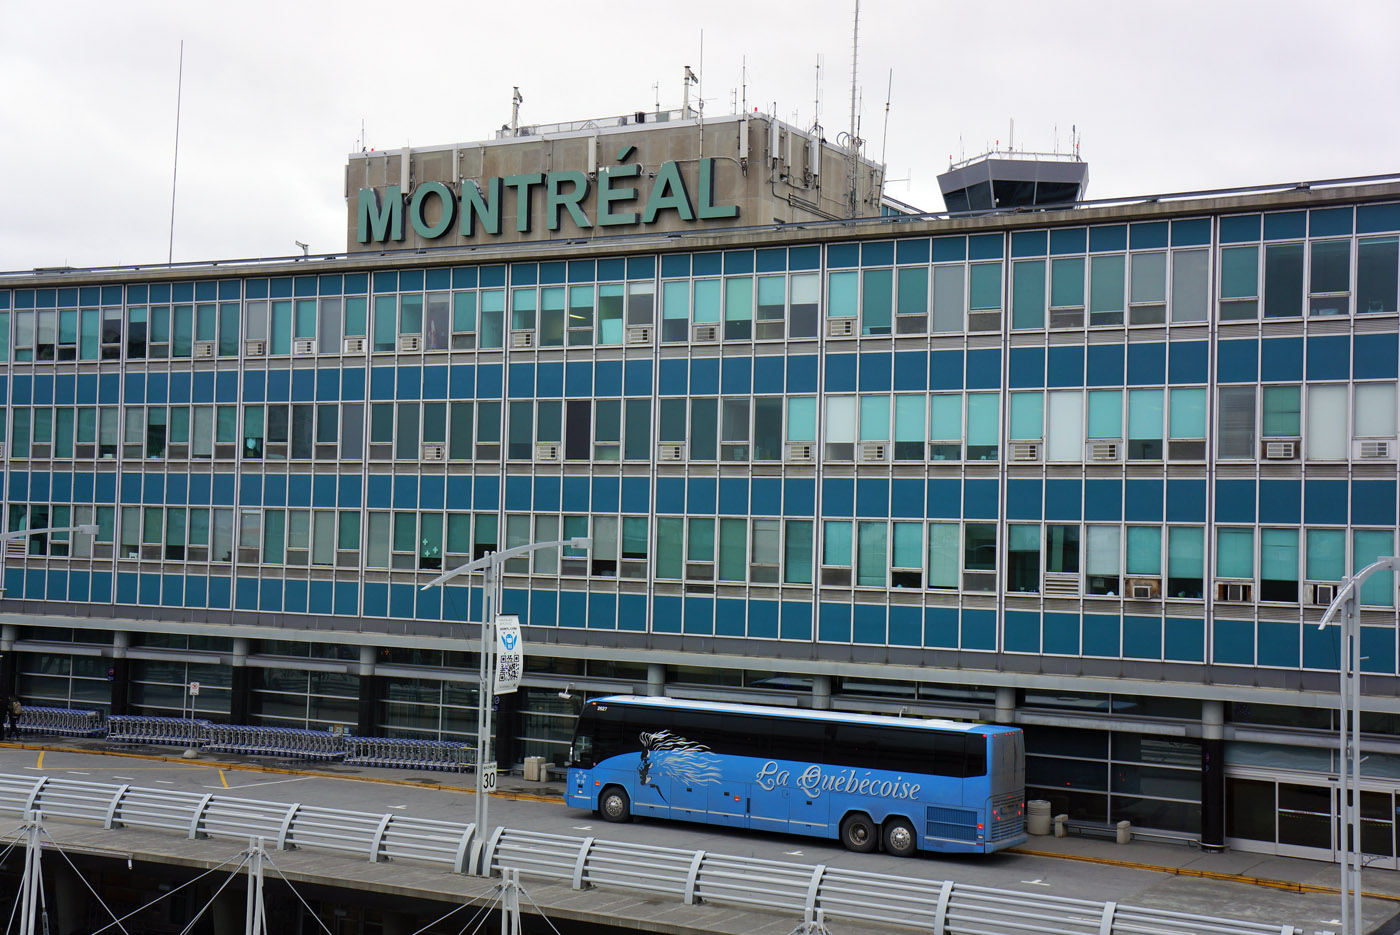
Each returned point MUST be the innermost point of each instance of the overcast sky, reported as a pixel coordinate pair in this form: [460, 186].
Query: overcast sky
[1167, 96]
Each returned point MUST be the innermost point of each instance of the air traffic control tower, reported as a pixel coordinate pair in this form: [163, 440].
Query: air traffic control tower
[1013, 179]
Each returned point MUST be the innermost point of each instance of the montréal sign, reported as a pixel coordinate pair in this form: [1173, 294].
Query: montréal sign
[434, 209]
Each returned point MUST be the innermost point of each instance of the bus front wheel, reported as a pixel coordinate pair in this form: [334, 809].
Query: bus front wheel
[858, 833]
[614, 804]
[899, 838]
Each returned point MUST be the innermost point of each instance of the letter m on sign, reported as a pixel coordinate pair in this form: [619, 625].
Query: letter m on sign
[380, 221]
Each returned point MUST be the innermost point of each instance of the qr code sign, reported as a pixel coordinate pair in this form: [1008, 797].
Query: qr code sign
[509, 669]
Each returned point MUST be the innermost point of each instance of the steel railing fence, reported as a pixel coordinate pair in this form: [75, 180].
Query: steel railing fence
[814, 892]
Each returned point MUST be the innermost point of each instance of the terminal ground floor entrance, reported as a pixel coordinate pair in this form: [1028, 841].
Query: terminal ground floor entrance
[1298, 817]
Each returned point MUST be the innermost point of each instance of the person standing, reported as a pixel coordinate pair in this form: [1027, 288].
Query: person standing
[13, 709]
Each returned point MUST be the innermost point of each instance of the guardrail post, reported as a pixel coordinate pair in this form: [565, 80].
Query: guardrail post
[814, 885]
[108, 821]
[460, 861]
[285, 831]
[1106, 923]
[940, 918]
[378, 838]
[692, 876]
[489, 854]
[34, 791]
[198, 816]
[581, 862]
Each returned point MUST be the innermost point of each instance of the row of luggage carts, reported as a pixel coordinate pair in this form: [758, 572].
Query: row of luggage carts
[63, 722]
[283, 742]
[407, 753]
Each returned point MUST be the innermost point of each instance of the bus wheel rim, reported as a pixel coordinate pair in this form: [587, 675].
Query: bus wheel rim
[900, 838]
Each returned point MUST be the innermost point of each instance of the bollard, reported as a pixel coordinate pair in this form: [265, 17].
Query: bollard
[1125, 832]
[1038, 816]
[1061, 825]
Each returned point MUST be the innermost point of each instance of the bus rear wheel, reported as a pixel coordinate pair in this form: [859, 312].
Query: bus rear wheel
[858, 833]
[899, 838]
[614, 805]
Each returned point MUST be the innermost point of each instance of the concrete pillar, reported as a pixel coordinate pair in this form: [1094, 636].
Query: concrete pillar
[9, 660]
[240, 683]
[121, 673]
[1006, 705]
[370, 690]
[656, 679]
[821, 692]
[1212, 776]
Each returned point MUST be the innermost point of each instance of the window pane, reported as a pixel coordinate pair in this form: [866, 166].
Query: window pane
[1028, 294]
[948, 305]
[1189, 291]
[1066, 426]
[1239, 272]
[797, 552]
[1067, 282]
[1106, 414]
[1185, 552]
[1102, 546]
[876, 298]
[943, 555]
[985, 286]
[1234, 553]
[836, 543]
[1376, 268]
[733, 549]
[1278, 556]
[1283, 280]
[1145, 414]
[1188, 413]
[1106, 284]
[1368, 545]
[1327, 554]
[945, 417]
[913, 290]
[873, 560]
[1144, 550]
[1375, 410]
[842, 295]
[1237, 422]
[1331, 266]
[1327, 422]
[1282, 411]
[1149, 277]
[874, 418]
[1027, 416]
[670, 546]
[802, 419]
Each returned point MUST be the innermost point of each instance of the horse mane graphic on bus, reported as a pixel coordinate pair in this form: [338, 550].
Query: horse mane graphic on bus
[669, 756]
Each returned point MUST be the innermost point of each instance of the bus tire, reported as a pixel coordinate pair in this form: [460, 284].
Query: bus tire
[900, 839]
[614, 805]
[858, 833]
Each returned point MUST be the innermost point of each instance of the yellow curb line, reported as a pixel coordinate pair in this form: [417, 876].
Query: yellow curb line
[1202, 874]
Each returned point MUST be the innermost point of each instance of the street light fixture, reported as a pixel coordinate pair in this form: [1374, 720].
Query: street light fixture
[1348, 604]
[491, 565]
[19, 535]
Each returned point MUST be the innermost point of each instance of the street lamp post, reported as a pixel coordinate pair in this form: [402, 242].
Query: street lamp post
[492, 567]
[86, 529]
[1348, 604]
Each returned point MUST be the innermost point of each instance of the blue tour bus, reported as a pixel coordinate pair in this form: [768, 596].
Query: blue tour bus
[909, 783]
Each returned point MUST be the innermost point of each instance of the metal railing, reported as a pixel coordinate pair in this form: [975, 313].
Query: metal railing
[691, 877]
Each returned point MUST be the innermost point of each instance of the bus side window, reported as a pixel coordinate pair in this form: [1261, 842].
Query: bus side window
[948, 758]
[800, 739]
[976, 755]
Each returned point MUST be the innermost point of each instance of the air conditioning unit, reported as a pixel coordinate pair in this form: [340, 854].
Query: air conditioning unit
[1061, 585]
[547, 451]
[304, 346]
[17, 547]
[522, 339]
[668, 451]
[840, 327]
[410, 343]
[203, 350]
[1106, 450]
[433, 451]
[800, 451]
[1144, 589]
[1280, 449]
[1025, 451]
[254, 348]
[355, 345]
[1374, 449]
[639, 334]
[1234, 592]
[873, 451]
[1321, 595]
[704, 332]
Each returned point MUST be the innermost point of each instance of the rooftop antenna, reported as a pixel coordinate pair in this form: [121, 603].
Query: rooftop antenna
[885, 134]
[685, 101]
[854, 142]
[1011, 136]
[362, 136]
[175, 170]
[656, 89]
[744, 83]
[817, 96]
[516, 99]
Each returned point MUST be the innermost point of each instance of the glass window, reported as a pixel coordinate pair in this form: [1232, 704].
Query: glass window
[943, 555]
[948, 304]
[1106, 414]
[765, 550]
[984, 286]
[797, 552]
[1028, 294]
[909, 427]
[1283, 280]
[983, 426]
[1282, 411]
[1376, 274]
[1065, 426]
[1189, 290]
[1375, 410]
[1330, 269]
[1023, 557]
[1327, 423]
[1062, 549]
[1278, 565]
[872, 563]
[738, 308]
[1144, 550]
[1145, 419]
[840, 428]
[875, 418]
[1234, 553]
[945, 426]
[1327, 555]
[1148, 288]
[1367, 545]
[801, 418]
[1106, 278]
[805, 301]
[1185, 562]
[1102, 560]
[1239, 283]
[707, 301]
[876, 299]
[1067, 282]
[979, 556]
[1236, 422]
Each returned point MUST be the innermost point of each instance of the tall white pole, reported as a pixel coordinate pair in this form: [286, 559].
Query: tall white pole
[1354, 851]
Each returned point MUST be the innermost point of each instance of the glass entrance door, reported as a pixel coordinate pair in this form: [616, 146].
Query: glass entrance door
[1299, 819]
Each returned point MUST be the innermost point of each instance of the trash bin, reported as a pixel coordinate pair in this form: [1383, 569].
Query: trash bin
[534, 768]
[1038, 816]
[1125, 832]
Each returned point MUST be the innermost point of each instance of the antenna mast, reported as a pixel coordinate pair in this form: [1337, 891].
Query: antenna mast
[885, 134]
[175, 170]
[855, 133]
[515, 101]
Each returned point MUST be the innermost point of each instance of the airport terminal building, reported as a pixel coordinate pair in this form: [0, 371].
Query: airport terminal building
[1094, 471]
